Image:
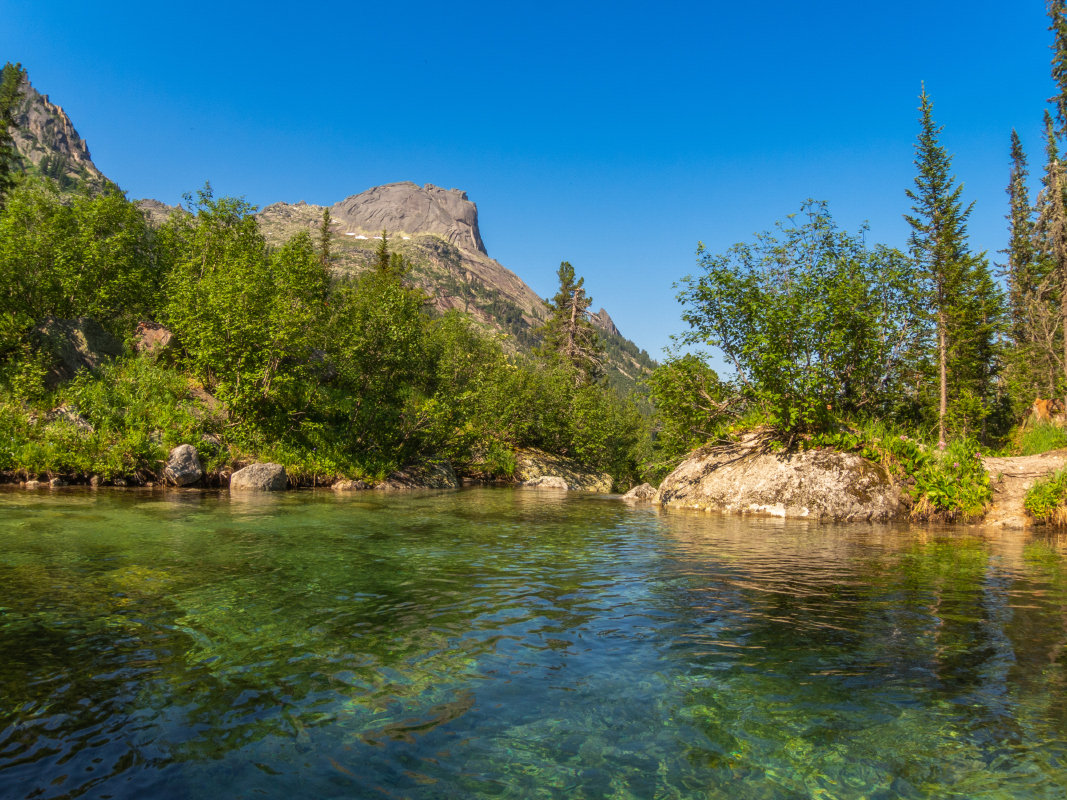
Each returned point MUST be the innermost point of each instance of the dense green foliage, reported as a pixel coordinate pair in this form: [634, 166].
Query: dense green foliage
[815, 323]
[274, 358]
[568, 334]
[1046, 500]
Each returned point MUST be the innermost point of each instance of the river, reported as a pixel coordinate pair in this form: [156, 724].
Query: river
[518, 644]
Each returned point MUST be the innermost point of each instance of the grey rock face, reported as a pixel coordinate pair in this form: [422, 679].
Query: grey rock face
[350, 486]
[645, 493]
[602, 319]
[183, 466]
[259, 478]
[408, 208]
[546, 482]
[438, 475]
[532, 464]
[74, 344]
[817, 484]
[43, 130]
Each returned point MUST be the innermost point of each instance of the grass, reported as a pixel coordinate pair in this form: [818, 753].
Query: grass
[1031, 440]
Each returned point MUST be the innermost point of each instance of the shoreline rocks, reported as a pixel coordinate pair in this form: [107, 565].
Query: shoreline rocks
[183, 466]
[534, 465]
[745, 478]
[259, 477]
[433, 475]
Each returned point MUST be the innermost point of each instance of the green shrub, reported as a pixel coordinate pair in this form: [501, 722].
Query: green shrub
[1047, 499]
[946, 486]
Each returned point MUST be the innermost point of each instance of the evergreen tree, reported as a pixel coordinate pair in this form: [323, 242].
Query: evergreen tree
[11, 78]
[961, 295]
[324, 238]
[1020, 252]
[387, 262]
[1044, 311]
[1057, 13]
[568, 332]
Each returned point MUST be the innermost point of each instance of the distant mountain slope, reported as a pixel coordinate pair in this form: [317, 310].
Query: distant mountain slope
[436, 228]
[50, 146]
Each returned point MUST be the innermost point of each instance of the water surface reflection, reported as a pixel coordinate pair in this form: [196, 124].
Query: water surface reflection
[518, 644]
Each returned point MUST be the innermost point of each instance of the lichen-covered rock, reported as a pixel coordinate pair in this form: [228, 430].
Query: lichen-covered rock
[817, 484]
[546, 482]
[183, 466]
[531, 464]
[74, 344]
[259, 478]
[645, 493]
[437, 475]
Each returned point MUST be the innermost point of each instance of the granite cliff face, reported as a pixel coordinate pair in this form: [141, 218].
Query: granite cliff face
[405, 208]
[449, 260]
[48, 143]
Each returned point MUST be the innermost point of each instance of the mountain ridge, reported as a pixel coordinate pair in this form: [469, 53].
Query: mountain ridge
[437, 229]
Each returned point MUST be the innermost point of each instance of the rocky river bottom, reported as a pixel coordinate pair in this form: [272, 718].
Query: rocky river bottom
[516, 643]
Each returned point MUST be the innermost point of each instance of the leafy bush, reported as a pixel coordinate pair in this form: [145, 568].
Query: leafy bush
[1047, 499]
[817, 326]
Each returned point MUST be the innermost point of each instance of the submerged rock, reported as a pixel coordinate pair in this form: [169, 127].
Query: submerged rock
[183, 466]
[531, 464]
[259, 478]
[645, 493]
[746, 478]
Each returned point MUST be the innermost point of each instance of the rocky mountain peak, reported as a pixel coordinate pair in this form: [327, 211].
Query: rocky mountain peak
[408, 208]
[604, 321]
[48, 143]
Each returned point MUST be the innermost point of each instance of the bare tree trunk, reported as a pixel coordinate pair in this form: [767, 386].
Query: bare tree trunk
[572, 329]
[942, 354]
[1063, 327]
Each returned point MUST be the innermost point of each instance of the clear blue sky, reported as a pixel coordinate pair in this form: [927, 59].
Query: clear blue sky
[613, 135]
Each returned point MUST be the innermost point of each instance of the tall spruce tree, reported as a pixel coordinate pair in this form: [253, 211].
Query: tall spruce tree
[1057, 14]
[1045, 311]
[11, 78]
[324, 238]
[1020, 271]
[961, 297]
[568, 333]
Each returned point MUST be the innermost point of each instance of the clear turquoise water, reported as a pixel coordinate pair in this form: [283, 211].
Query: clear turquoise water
[514, 644]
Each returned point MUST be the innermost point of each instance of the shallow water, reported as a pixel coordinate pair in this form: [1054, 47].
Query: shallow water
[516, 643]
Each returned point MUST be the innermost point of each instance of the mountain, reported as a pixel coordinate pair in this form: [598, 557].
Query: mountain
[437, 229]
[50, 146]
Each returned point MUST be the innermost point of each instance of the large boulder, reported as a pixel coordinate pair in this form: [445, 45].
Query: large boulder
[531, 464]
[72, 345]
[259, 478]
[434, 475]
[183, 466]
[747, 478]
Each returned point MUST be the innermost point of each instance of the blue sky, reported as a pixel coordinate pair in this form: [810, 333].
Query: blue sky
[613, 135]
